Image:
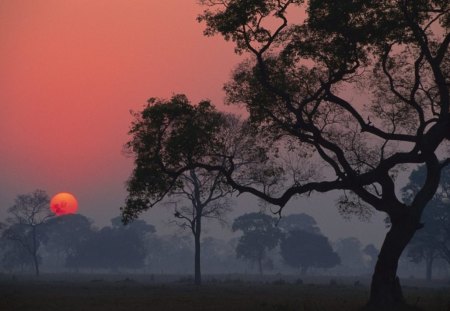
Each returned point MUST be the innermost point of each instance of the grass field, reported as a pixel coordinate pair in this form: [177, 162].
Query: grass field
[51, 294]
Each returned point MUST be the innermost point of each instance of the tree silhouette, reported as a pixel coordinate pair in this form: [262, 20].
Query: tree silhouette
[302, 249]
[156, 143]
[66, 233]
[296, 87]
[113, 247]
[260, 235]
[26, 220]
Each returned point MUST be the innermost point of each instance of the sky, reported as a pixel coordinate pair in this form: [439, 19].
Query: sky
[70, 72]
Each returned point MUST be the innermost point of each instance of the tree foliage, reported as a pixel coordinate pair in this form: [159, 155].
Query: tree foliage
[302, 249]
[301, 221]
[66, 233]
[113, 248]
[167, 135]
[260, 235]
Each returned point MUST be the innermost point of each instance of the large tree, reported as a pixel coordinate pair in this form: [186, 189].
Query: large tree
[157, 142]
[26, 222]
[300, 86]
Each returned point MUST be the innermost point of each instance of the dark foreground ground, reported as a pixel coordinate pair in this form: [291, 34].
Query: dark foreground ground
[94, 293]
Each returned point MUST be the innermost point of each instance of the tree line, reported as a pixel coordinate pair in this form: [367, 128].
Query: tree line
[32, 237]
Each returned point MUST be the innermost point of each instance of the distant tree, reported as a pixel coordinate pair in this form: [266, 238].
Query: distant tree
[116, 247]
[301, 221]
[371, 251]
[169, 253]
[139, 227]
[302, 249]
[14, 256]
[260, 235]
[432, 241]
[218, 256]
[26, 222]
[350, 252]
[155, 139]
[66, 234]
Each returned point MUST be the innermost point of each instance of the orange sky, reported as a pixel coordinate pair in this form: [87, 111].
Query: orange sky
[70, 72]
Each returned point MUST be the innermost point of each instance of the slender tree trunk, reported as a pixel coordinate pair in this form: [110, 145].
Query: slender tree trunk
[197, 266]
[429, 266]
[35, 256]
[36, 264]
[260, 268]
[386, 291]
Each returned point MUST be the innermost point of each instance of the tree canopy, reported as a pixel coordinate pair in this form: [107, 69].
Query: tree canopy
[260, 235]
[302, 249]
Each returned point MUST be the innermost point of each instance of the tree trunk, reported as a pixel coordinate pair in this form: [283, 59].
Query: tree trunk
[35, 255]
[429, 267]
[260, 268]
[36, 264]
[386, 291]
[197, 271]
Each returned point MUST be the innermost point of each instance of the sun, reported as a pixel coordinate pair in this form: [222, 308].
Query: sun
[63, 203]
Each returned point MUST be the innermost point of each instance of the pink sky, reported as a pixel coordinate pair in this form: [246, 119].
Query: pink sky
[70, 72]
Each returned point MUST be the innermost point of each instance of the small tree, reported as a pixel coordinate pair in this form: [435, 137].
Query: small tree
[157, 142]
[26, 219]
[302, 249]
[260, 235]
[207, 197]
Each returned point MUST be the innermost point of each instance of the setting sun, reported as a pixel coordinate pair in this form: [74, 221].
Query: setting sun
[63, 203]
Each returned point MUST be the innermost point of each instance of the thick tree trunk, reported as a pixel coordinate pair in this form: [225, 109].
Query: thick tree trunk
[197, 270]
[386, 291]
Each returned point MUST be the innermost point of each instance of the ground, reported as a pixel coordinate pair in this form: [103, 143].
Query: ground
[94, 292]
